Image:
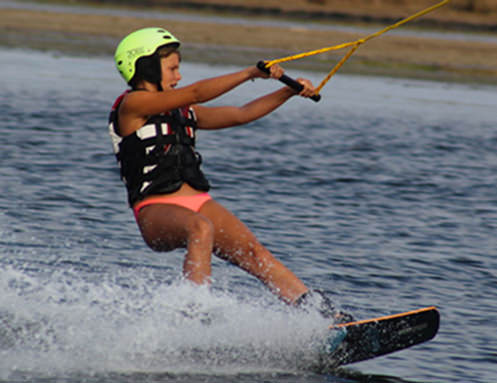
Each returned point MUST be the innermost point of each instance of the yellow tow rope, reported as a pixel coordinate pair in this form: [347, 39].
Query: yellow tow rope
[354, 44]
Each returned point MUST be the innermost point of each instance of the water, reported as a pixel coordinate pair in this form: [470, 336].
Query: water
[383, 194]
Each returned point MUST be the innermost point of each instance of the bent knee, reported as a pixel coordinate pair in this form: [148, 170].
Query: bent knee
[201, 229]
[169, 237]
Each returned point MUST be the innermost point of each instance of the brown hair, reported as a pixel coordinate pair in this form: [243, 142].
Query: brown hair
[149, 69]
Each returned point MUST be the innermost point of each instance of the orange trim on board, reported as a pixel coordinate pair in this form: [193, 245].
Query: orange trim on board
[384, 317]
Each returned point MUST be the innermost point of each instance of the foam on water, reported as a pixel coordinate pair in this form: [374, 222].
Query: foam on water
[63, 323]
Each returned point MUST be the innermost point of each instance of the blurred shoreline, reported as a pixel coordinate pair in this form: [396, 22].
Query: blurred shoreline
[88, 30]
[468, 15]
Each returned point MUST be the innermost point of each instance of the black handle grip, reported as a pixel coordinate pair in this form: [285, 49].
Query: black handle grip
[295, 85]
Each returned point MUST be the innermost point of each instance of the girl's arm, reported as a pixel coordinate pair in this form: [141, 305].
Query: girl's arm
[227, 116]
[150, 103]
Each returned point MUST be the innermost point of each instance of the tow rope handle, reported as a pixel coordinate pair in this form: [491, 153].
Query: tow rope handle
[294, 84]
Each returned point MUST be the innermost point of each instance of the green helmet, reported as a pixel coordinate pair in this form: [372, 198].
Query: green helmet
[141, 43]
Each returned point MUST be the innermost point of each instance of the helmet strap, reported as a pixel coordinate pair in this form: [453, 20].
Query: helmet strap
[159, 69]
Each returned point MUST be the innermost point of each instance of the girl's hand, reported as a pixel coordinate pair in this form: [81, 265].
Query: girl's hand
[275, 71]
[309, 90]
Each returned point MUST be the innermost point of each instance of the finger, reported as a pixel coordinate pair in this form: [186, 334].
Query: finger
[276, 71]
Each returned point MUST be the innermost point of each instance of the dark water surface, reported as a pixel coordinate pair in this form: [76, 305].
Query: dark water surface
[383, 194]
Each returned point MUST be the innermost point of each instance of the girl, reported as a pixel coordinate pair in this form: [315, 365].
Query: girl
[153, 131]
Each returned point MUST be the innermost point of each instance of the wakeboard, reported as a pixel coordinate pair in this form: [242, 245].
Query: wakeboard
[366, 339]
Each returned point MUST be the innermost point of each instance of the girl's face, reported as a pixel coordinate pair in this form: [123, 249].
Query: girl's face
[170, 71]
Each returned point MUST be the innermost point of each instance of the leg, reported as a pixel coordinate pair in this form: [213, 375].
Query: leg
[165, 227]
[234, 242]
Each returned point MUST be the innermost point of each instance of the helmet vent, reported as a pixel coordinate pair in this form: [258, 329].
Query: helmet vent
[166, 37]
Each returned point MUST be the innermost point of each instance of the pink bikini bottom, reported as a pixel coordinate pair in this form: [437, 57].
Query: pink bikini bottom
[192, 202]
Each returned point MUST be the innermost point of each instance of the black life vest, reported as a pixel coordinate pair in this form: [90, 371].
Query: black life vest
[160, 156]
